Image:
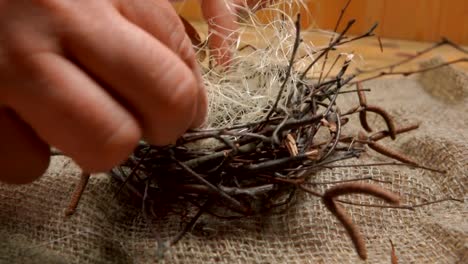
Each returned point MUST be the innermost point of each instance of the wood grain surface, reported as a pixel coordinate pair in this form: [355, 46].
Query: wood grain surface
[421, 20]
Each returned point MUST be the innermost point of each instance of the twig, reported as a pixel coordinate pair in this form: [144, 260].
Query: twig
[408, 73]
[343, 10]
[348, 180]
[233, 203]
[132, 172]
[331, 67]
[333, 44]
[190, 225]
[255, 166]
[290, 67]
[384, 164]
[441, 43]
[380, 44]
[437, 201]
[336, 139]
[403, 206]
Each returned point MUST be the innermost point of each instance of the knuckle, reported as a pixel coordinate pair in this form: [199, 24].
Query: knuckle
[181, 44]
[202, 110]
[185, 93]
[177, 30]
[112, 148]
[175, 113]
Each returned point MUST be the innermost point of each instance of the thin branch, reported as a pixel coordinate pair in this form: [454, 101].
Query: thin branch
[297, 42]
[233, 203]
[392, 163]
[331, 46]
[403, 206]
[190, 225]
[408, 73]
[441, 43]
[343, 10]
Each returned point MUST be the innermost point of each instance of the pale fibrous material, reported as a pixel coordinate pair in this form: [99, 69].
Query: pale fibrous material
[112, 229]
[248, 88]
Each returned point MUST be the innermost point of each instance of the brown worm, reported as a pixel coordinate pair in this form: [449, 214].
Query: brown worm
[362, 136]
[361, 94]
[363, 120]
[391, 153]
[362, 103]
[363, 188]
[340, 213]
[353, 230]
[394, 258]
[383, 134]
[386, 116]
[344, 121]
[77, 193]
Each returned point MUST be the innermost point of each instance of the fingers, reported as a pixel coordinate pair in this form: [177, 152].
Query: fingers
[159, 19]
[106, 79]
[259, 4]
[23, 156]
[221, 20]
[142, 72]
[221, 16]
[254, 5]
[73, 113]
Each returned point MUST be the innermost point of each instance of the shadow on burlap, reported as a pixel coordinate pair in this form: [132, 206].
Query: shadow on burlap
[108, 230]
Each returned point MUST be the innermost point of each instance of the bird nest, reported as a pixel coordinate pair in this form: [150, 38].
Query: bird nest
[270, 127]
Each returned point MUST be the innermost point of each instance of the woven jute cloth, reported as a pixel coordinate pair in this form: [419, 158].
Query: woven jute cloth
[109, 229]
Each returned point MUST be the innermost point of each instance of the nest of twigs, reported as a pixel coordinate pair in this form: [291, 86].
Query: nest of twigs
[254, 167]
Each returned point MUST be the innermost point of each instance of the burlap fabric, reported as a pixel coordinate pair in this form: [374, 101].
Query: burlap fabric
[112, 230]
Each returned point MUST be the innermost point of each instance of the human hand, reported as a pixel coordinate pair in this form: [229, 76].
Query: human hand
[221, 16]
[92, 78]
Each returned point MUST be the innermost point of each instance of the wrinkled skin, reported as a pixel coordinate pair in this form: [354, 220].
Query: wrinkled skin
[93, 77]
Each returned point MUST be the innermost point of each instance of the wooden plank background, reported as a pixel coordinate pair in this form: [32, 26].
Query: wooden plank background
[422, 20]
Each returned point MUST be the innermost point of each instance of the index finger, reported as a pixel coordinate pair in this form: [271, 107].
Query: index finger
[148, 15]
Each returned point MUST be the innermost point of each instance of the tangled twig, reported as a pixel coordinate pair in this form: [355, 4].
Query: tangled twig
[257, 166]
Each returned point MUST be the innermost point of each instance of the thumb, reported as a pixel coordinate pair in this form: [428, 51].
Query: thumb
[24, 157]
